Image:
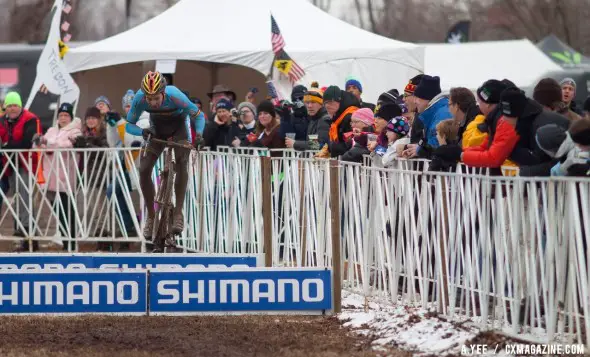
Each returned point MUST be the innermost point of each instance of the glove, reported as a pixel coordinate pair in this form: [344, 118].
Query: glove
[112, 118]
[449, 153]
[147, 132]
[136, 144]
[36, 139]
[80, 142]
[199, 142]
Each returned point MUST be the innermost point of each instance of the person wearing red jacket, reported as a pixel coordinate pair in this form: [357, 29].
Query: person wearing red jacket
[492, 154]
[18, 127]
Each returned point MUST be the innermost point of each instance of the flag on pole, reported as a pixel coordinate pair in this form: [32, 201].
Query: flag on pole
[288, 67]
[65, 26]
[67, 8]
[51, 70]
[278, 42]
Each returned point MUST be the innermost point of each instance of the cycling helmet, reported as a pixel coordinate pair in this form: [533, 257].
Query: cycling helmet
[153, 83]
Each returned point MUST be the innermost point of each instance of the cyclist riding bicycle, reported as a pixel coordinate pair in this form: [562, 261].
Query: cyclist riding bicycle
[170, 111]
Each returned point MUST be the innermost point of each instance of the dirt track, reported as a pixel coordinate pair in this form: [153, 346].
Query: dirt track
[93, 336]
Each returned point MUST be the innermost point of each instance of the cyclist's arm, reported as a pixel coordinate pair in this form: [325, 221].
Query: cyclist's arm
[189, 108]
[137, 108]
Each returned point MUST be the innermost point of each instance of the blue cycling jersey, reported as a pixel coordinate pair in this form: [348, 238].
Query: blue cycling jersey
[175, 104]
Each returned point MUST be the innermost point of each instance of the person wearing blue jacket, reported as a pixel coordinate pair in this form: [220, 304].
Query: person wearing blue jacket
[432, 107]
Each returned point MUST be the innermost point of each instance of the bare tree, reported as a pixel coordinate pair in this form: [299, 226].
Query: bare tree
[322, 4]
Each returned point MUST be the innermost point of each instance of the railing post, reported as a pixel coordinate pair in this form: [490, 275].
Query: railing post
[267, 209]
[336, 242]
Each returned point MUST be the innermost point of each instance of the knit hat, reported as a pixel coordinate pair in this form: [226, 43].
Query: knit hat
[550, 137]
[412, 84]
[314, 94]
[127, 98]
[92, 112]
[13, 98]
[508, 83]
[298, 92]
[247, 105]
[351, 81]
[391, 96]
[404, 108]
[513, 102]
[333, 93]
[399, 125]
[428, 88]
[66, 108]
[580, 131]
[569, 81]
[388, 112]
[103, 99]
[267, 107]
[547, 92]
[365, 115]
[223, 104]
[490, 91]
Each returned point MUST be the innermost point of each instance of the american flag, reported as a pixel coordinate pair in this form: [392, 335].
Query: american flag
[296, 72]
[67, 8]
[278, 42]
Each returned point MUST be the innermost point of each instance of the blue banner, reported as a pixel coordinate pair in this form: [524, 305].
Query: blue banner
[73, 292]
[253, 290]
[125, 261]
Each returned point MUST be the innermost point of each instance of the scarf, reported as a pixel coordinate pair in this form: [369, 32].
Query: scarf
[334, 127]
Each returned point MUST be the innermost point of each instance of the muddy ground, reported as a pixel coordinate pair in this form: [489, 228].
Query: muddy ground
[93, 336]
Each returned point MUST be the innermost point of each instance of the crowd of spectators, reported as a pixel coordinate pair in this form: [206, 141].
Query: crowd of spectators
[493, 127]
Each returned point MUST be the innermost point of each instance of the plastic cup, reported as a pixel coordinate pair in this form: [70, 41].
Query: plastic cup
[371, 138]
[290, 136]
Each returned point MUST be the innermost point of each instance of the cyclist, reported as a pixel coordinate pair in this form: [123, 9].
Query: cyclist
[170, 114]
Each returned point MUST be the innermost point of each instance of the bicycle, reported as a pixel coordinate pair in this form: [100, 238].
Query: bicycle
[162, 236]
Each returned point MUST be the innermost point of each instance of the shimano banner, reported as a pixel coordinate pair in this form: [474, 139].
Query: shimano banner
[127, 261]
[73, 292]
[255, 290]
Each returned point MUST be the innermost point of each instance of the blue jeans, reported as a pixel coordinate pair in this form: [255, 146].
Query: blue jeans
[123, 213]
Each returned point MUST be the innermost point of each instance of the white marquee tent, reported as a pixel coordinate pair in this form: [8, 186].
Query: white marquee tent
[471, 64]
[223, 33]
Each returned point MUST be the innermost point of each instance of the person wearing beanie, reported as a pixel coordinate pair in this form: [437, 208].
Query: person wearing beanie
[577, 160]
[245, 125]
[61, 180]
[103, 104]
[488, 95]
[432, 107]
[267, 128]
[397, 132]
[389, 97]
[568, 92]
[340, 105]
[218, 132]
[555, 142]
[364, 117]
[294, 117]
[362, 123]
[127, 100]
[383, 116]
[317, 122]
[492, 153]
[353, 85]
[18, 128]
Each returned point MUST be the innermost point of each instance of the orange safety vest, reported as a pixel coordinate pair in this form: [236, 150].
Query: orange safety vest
[334, 127]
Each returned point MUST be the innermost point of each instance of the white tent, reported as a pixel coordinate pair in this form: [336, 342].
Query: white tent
[238, 32]
[471, 64]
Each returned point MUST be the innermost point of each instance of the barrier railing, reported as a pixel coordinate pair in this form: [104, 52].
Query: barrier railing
[506, 252]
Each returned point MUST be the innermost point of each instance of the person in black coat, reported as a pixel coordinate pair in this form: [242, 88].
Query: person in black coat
[218, 131]
[244, 123]
[340, 105]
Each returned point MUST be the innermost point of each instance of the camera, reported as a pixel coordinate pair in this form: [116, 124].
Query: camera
[235, 113]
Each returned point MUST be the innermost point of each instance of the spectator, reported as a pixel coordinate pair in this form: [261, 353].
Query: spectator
[417, 128]
[295, 121]
[340, 105]
[555, 143]
[61, 183]
[397, 131]
[318, 122]
[354, 86]
[447, 133]
[220, 92]
[127, 100]
[93, 137]
[389, 97]
[433, 107]
[103, 104]
[362, 122]
[384, 115]
[267, 128]
[18, 126]
[468, 117]
[548, 93]
[577, 160]
[568, 90]
[245, 125]
[218, 132]
[495, 149]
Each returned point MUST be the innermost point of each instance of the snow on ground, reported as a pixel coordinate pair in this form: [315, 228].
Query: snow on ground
[410, 328]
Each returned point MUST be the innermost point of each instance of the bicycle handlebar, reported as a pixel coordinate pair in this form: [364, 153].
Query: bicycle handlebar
[173, 144]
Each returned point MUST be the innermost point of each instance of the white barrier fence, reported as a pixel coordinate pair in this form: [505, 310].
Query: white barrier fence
[503, 251]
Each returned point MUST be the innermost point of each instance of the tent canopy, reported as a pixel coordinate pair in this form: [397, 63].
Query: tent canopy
[470, 64]
[238, 32]
[563, 54]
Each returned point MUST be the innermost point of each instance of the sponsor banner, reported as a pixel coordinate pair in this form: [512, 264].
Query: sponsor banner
[71, 291]
[254, 290]
[127, 261]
